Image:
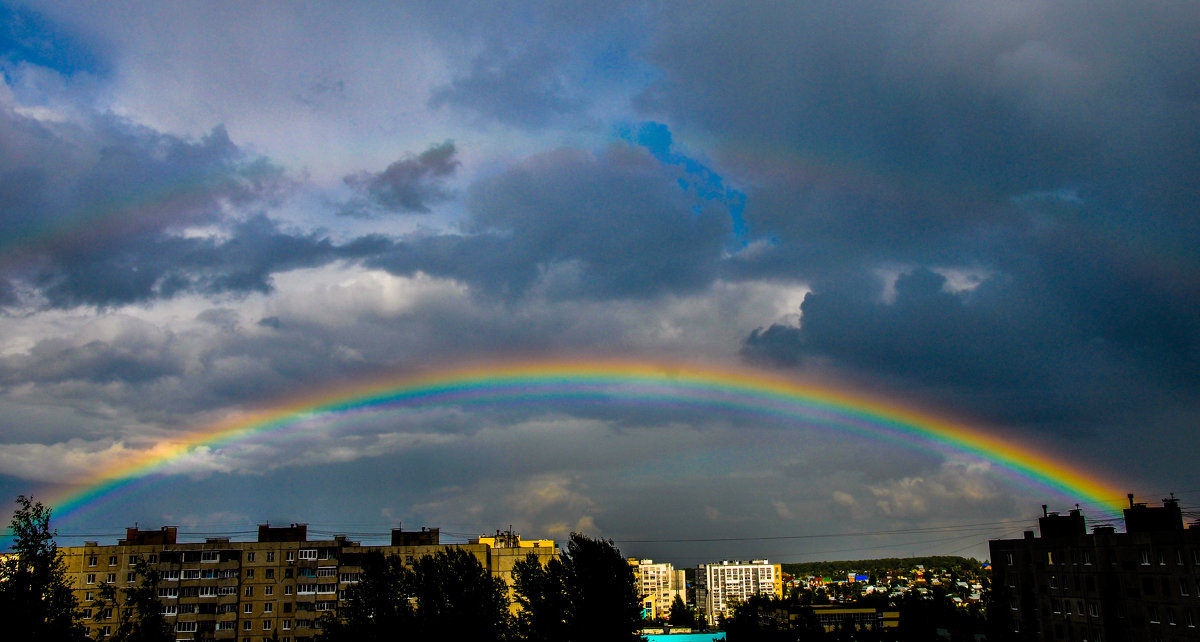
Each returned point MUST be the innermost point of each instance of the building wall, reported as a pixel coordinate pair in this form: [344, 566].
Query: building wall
[658, 584]
[1069, 584]
[249, 591]
[727, 583]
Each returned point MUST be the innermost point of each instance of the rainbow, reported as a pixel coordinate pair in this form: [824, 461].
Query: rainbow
[554, 384]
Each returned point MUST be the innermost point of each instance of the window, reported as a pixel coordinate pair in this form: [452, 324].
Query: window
[266, 625]
[132, 560]
[131, 577]
[170, 575]
[1050, 557]
[327, 571]
[1087, 558]
[1189, 618]
[208, 591]
[170, 609]
[227, 625]
[287, 625]
[1162, 559]
[191, 573]
[152, 559]
[185, 627]
[227, 590]
[1152, 613]
[306, 588]
[246, 625]
[168, 592]
[268, 607]
[308, 553]
[91, 560]
[1145, 555]
[287, 590]
[325, 605]
[304, 624]
[270, 556]
[91, 578]
[1179, 557]
[208, 574]
[250, 556]
[1183, 588]
[111, 578]
[1171, 617]
[105, 631]
[249, 573]
[349, 577]
[1008, 558]
[185, 609]
[270, 574]
[87, 614]
[1053, 581]
[270, 590]
[228, 574]
[89, 596]
[249, 591]
[1055, 606]
[106, 614]
[287, 573]
[210, 556]
[291, 556]
[189, 591]
[112, 560]
[248, 608]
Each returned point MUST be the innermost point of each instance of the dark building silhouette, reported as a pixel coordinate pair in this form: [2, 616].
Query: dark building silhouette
[1103, 586]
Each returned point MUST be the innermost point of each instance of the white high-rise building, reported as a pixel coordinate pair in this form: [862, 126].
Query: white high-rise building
[728, 582]
[658, 585]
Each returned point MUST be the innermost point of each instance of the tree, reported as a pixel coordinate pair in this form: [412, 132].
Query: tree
[140, 614]
[681, 615]
[376, 608]
[36, 601]
[454, 592]
[587, 593]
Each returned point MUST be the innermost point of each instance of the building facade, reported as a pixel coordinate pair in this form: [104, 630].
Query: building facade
[727, 583]
[278, 585]
[1102, 586]
[658, 584]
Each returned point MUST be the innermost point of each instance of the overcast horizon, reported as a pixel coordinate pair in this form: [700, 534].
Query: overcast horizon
[986, 210]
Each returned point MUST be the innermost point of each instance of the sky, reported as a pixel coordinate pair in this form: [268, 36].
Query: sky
[985, 211]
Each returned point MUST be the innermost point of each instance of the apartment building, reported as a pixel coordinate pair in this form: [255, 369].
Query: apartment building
[1102, 586]
[278, 585]
[658, 584]
[727, 583]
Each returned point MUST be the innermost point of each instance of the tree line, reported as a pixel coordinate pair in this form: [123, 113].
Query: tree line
[586, 593]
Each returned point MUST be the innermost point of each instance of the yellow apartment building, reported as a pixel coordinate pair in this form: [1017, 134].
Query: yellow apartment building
[278, 585]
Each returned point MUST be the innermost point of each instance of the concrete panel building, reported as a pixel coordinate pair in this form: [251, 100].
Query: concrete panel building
[251, 591]
[727, 583]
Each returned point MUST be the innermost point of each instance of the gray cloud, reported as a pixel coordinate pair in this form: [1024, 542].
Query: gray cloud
[407, 185]
[524, 89]
[572, 224]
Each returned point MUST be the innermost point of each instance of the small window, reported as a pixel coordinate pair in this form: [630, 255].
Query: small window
[1152, 613]
[308, 553]
[133, 560]
[111, 578]
[1183, 588]
[249, 573]
[92, 560]
[249, 591]
[268, 607]
[1008, 557]
[152, 559]
[266, 625]
[270, 574]
[246, 625]
[287, 625]
[210, 556]
[250, 557]
[1189, 618]
[131, 577]
[112, 560]
[89, 596]
[270, 590]
[291, 556]
[270, 556]
[1145, 555]
[248, 608]
[287, 590]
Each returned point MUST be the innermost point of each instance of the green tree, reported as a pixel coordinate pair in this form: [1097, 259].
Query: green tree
[681, 615]
[376, 608]
[36, 601]
[587, 593]
[139, 610]
[454, 592]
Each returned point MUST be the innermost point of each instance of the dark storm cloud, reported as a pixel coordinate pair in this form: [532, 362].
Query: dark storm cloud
[573, 224]
[162, 266]
[407, 185]
[93, 214]
[522, 89]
